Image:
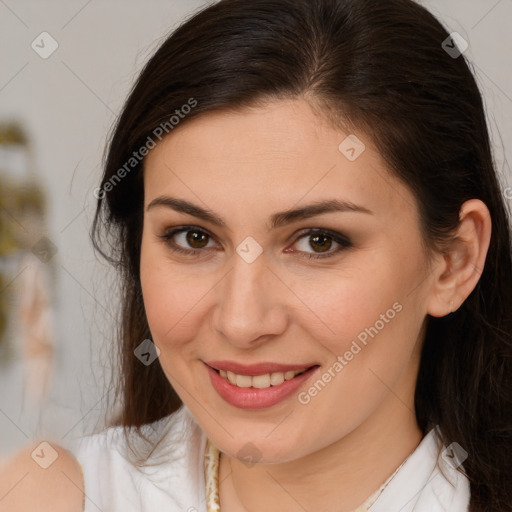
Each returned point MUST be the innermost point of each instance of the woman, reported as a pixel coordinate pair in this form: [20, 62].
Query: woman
[317, 277]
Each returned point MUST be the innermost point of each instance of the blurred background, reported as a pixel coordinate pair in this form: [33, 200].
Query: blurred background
[67, 67]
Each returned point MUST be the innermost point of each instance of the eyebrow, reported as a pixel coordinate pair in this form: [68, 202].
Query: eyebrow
[277, 220]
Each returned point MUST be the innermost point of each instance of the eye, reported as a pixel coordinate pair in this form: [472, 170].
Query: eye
[195, 238]
[191, 240]
[321, 241]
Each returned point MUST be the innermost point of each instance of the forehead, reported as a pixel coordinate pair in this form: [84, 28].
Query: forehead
[272, 156]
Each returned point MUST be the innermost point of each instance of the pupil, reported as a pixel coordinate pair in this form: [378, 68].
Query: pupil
[193, 237]
[315, 242]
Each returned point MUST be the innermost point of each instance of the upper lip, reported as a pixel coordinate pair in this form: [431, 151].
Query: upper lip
[256, 369]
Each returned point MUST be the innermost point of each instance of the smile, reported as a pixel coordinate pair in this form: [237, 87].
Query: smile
[259, 381]
[257, 386]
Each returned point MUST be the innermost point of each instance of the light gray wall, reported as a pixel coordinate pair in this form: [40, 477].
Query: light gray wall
[68, 103]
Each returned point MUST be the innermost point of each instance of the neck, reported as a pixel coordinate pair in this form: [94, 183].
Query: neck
[340, 477]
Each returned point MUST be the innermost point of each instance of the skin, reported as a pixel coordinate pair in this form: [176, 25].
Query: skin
[333, 452]
[26, 485]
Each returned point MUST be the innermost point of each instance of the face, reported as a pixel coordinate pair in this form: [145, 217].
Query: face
[232, 281]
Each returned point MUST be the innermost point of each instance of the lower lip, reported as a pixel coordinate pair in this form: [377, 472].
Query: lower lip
[253, 398]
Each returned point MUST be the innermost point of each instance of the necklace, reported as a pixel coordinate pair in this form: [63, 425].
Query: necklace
[211, 476]
[211, 473]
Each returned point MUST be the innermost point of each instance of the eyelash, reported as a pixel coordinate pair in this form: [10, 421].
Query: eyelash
[341, 240]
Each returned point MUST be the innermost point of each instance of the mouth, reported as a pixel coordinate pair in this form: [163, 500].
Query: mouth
[257, 386]
[261, 381]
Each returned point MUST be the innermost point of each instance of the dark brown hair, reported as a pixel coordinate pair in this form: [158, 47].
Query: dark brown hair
[381, 67]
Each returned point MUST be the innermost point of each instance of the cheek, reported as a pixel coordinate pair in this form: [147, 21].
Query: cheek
[370, 341]
[161, 304]
[169, 308]
[168, 299]
[345, 304]
[368, 316]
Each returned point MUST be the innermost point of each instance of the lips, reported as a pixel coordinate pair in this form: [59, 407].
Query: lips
[257, 395]
[257, 369]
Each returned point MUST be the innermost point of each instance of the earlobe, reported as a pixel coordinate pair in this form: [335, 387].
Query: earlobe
[464, 260]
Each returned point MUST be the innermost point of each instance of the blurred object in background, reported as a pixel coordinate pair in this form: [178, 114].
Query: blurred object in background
[26, 273]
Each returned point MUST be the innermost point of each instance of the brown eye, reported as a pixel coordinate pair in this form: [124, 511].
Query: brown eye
[196, 239]
[321, 241]
[191, 241]
[187, 240]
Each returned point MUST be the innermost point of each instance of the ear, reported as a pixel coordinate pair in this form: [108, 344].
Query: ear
[462, 263]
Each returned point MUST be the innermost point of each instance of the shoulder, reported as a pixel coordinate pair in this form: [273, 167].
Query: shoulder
[43, 476]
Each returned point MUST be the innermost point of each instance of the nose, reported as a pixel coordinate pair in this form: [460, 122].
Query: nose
[250, 307]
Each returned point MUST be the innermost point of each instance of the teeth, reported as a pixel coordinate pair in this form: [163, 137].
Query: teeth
[277, 378]
[259, 381]
[243, 381]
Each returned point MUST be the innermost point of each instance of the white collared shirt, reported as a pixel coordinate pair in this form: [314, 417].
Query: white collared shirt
[172, 480]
